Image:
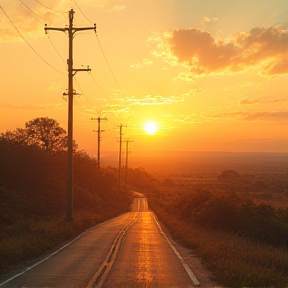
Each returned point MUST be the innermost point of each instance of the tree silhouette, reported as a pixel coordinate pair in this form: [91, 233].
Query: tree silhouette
[19, 136]
[42, 132]
[46, 133]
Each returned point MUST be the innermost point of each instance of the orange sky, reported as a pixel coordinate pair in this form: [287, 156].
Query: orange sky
[212, 74]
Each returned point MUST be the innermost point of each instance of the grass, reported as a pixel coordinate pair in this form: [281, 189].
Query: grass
[32, 238]
[234, 261]
[233, 258]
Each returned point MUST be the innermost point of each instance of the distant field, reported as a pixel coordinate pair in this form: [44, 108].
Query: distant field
[204, 201]
[203, 162]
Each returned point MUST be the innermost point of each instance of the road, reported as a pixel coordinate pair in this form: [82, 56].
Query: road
[127, 251]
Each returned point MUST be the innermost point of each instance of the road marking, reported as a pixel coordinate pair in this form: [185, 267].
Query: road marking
[46, 258]
[185, 265]
[52, 254]
[101, 274]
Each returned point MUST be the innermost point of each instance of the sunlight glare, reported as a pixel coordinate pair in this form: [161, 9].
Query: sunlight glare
[150, 127]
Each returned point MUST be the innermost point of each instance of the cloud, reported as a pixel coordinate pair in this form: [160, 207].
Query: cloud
[34, 107]
[262, 116]
[116, 111]
[267, 116]
[158, 99]
[207, 20]
[110, 5]
[245, 101]
[28, 18]
[152, 100]
[144, 62]
[190, 119]
[262, 47]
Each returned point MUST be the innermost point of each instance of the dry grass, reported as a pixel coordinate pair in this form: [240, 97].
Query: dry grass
[31, 238]
[234, 261]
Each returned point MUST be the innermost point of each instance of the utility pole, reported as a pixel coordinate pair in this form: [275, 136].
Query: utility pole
[126, 166]
[120, 155]
[71, 72]
[99, 119]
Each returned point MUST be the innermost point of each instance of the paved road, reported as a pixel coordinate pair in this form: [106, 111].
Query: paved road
[146, 259]
[127, 251]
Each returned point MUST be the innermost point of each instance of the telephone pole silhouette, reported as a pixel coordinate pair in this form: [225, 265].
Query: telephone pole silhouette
[120, 154]
[126, 166]
[71, 72]
[99, 119]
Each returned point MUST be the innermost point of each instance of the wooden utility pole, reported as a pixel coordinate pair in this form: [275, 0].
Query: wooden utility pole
[126, 166]
[99, 119]
[71, 72]
[120, 155]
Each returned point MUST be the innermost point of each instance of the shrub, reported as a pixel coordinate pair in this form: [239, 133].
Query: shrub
[231, 213]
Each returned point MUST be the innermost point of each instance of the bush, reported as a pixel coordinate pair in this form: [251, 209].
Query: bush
[230, 213]
[234, 261]
[33, 199]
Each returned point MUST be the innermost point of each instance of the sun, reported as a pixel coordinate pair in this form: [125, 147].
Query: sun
[150, 127]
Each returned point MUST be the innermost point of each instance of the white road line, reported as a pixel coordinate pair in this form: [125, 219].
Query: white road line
[185, 265]
[46, 258]
[50, 255]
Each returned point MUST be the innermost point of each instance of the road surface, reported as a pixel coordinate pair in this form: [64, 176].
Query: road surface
[127, 251]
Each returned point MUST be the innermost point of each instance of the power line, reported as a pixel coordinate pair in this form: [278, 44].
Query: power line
[101, 51]
[120, 154]
[82, 12]
[56, 49]
[47, 34]
[71, 73]
[82, 92]
[99, 119]
[98, 86]
[108, 63]
[126, 166]
[32, 10]
[50, 8]
[29, 43]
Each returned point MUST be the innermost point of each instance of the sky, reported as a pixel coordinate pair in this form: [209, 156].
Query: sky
[211, 74]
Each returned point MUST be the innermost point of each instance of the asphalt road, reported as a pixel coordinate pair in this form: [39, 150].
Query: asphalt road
[127, 251]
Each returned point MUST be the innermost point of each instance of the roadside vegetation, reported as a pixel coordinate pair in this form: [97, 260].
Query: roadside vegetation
[241, 241]
[237, 223]
[33, 192]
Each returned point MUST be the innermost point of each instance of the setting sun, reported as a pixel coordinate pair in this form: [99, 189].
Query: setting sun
[150, 127]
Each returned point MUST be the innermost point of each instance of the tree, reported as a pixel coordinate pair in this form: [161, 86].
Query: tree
[168, 182]
[46, 133]
[42, 132]
[19, 136]
[229, 175]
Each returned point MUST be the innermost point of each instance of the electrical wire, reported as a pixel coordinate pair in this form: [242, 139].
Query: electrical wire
[101, 51]
[82, 12]
[32, 10]
[56, 49]
[29, 43]
[50, 8]
[82, 92]
[98, 86]
[101, 48]
[47, 34]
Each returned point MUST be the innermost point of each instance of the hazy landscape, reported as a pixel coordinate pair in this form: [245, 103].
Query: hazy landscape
[208, 163]
[229, 208]
[187, 82]
[233, 198]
